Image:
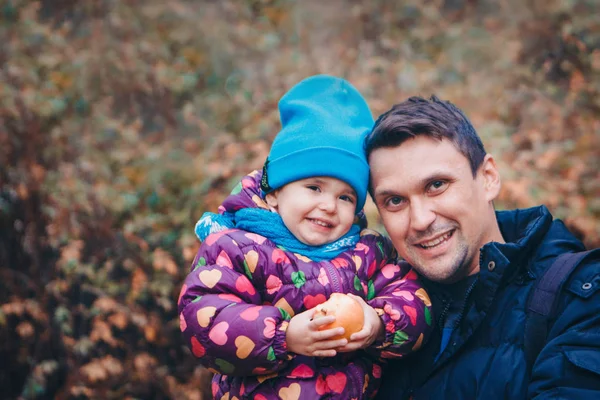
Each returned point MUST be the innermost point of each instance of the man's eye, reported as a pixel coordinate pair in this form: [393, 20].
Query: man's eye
[438, 186]
[395, 201]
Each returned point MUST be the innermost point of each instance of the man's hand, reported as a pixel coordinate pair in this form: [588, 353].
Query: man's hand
[372, 329]
[304, 337]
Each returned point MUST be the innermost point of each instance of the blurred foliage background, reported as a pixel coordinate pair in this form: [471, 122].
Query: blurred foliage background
[122, 121]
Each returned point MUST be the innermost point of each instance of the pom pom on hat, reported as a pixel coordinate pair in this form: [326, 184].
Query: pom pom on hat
[324, 123]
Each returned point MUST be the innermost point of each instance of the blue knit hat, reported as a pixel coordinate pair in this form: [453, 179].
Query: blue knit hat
[324, 123]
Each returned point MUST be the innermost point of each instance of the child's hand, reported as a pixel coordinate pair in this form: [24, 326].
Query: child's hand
[304, 337]
[372, 329]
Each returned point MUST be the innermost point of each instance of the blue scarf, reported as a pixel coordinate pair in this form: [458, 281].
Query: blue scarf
[271, 226]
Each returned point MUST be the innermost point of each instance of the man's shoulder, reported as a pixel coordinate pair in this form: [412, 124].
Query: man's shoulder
[585, 278]
[572, 273]
[577, 271]
[570, 278]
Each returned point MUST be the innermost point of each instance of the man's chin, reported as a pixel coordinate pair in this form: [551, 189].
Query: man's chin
[445, 268]
[441, 272]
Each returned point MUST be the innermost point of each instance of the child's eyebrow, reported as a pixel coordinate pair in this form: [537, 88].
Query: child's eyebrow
[349, 192]
[320, 181]
[317, 180]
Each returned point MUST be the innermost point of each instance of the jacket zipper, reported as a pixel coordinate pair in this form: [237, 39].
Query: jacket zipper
[464, 304]
[457, 322]
[334, 278]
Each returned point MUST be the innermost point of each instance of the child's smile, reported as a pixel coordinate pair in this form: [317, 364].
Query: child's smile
[321, 223]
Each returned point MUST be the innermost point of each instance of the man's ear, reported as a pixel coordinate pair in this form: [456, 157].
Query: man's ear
[491, 178]
[271, 199]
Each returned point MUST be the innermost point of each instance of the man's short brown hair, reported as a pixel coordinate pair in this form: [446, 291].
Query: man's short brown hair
[430, 117]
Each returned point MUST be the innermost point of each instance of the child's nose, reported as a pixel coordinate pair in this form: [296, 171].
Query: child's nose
[328, 205]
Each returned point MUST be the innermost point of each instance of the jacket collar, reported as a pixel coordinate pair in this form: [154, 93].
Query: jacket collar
[531, 236]
[522, 230]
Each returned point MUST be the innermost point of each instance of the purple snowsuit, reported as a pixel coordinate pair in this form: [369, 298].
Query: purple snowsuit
[236, 303]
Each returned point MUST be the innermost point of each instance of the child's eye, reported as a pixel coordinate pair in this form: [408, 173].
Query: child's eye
[347, 198]
[314, 188]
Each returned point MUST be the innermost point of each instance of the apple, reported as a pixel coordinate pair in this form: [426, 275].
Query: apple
[347, 311]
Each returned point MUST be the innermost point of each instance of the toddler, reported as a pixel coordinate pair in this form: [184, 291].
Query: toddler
[283, 242]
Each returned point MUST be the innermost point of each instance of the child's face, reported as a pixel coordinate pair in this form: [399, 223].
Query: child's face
[316, 210]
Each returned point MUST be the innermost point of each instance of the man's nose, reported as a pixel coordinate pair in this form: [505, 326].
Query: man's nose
[422, 215]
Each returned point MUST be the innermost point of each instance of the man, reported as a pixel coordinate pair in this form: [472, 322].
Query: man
[434, 186]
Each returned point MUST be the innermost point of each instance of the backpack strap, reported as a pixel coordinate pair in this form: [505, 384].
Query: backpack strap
[541, 303]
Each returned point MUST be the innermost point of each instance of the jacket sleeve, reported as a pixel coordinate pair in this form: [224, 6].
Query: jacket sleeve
[568, 366]
[221, 314]
[396, 294]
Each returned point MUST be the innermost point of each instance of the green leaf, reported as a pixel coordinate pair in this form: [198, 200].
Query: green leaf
[427, 316]
[284, 314]
[371, 292]
[237, 188]
[299, 279]
[200, 263]
[357, 284]
[224, 366]
[271, 354]
[247, 270]
[380, 247]
[400, 337]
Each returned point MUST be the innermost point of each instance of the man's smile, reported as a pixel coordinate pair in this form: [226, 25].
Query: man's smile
[436, 241]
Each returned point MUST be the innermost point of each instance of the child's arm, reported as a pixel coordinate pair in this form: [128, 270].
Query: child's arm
[222, 317]
[395, 295]
[404, 308]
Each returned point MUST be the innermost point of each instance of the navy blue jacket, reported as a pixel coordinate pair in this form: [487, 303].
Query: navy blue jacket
[484, 357]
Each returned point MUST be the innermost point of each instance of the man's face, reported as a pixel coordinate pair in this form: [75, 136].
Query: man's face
[437, 214]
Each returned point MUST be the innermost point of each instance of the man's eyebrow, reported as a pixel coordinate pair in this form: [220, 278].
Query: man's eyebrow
[385, 192]
[433, 176]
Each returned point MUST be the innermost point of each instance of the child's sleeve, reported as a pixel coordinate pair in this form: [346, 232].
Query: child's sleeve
[221, 314]
[396, 294]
